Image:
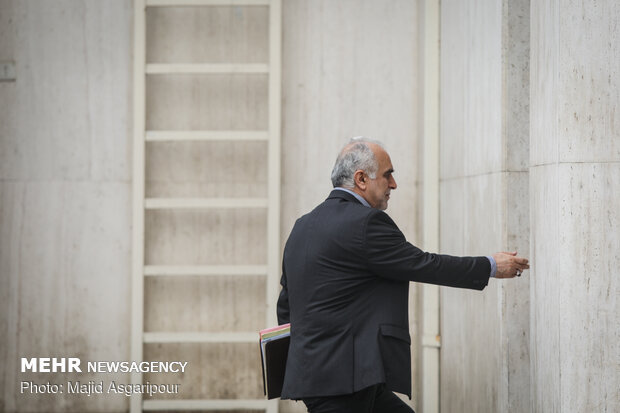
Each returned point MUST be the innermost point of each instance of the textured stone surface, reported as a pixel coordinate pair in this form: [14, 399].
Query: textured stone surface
[483, 145]
[515, 301]
[544, 80]
[214, 370]
[65, 193]
[544, 293]
[453, 75]
[516, 81]
[206, 237]
[574, 287]
[216, 34]
[485, 73]
[471, 342]
[485, 337]
[65, 284]
[203, 299]
[575, 176]
[484, 201]
[333, 57]
[483, 213]
[68, 116]
[588, 90]
[207, 102]
[589, 267]
[451, 224]
[206, 169]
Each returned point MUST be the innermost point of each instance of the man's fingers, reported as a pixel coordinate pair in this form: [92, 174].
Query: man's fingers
[519, 266]
[507, 274]
[519, 262]
[509, 265]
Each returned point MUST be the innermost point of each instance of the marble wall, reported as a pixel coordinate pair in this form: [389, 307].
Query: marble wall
[65, 192]
[547, 342]
[349, 68]
[484, 200]
[575, 204]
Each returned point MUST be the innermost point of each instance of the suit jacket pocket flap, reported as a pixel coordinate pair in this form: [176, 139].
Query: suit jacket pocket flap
[396, 332]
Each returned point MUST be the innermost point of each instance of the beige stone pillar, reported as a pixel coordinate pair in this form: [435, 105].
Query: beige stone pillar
[575, 206]
[484, 200]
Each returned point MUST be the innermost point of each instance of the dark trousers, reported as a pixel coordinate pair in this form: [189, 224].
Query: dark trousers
[373, 399]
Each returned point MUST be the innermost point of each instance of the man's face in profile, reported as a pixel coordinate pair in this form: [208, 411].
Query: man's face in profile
[378, 190]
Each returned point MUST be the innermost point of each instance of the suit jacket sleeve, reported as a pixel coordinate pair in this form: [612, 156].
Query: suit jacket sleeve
[390, 256]
[283, 306]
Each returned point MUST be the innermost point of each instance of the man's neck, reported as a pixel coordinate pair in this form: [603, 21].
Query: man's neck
[356, 194]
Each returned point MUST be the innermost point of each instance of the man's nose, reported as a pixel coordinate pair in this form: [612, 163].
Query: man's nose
[393, 183]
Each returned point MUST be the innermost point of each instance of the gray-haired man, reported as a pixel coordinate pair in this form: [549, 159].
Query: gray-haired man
[345, 285]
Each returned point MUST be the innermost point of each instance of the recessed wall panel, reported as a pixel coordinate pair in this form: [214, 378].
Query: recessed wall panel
[207, 34]
[206, 237]
[207, 102]
[206, 169]
[204, 303]
[213, 370]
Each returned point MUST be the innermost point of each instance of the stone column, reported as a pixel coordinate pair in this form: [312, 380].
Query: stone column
[575, 206]
[484, 200]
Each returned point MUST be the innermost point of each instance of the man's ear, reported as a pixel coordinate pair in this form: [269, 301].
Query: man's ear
[360, 179]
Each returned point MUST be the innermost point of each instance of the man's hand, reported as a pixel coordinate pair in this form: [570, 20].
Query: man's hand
[509, 265]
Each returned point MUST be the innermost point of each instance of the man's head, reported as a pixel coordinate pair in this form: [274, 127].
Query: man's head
[364, 167]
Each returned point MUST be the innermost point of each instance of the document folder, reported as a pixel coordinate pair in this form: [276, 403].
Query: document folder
[274, 344]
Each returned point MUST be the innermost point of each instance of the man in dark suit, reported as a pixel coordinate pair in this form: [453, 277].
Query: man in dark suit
[345, 286]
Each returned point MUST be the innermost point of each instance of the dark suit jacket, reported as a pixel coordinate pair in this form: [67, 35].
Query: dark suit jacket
[345, 286]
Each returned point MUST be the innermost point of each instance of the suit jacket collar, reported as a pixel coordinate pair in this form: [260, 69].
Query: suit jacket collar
[336, 193]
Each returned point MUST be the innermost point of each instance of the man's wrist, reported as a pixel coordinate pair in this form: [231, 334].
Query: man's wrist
[493, 266]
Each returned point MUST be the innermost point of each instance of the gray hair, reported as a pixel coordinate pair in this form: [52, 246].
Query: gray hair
[355, 155]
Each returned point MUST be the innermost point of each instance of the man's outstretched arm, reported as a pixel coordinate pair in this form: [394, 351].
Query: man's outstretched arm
[391, 256]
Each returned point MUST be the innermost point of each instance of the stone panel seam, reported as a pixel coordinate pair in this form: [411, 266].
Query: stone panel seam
[454, 178]
[574, 163]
